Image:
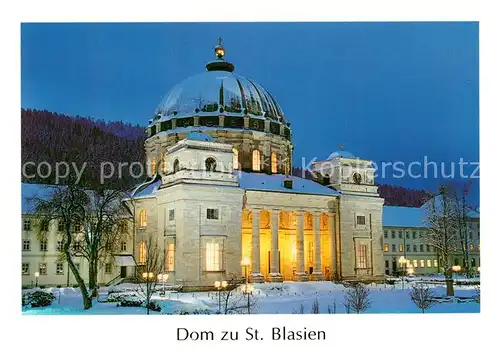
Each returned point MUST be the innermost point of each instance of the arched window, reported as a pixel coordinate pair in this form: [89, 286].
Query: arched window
[256, 160]
[142, 253]
[176, 166]
[210, 164]
[274, 162]
[236, 163]
[153, 165]
[164, 164]
[142, 218]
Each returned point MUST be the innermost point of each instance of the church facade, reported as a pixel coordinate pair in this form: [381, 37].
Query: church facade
[220, 191]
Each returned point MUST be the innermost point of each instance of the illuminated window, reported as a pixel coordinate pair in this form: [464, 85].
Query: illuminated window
[386, 247]
[176, 166]
[42, 268]
[435, 263]
[400, 247]
[429, 264]
[142, 218]
[471, 247]
[142, 253]
[415, 263]
[26, 245]
[361, 256]
[274, 163]
[294, 254]
[164, 164]
[212, 256]
[59, 268]
[26, 268]
[422, 263]
[256, 160]
[170, 257]
[236, 163]
[153, 165]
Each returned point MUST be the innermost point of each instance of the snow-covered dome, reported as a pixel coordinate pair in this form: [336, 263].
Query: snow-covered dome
[199, 136]
[216, 91]
[341, 154]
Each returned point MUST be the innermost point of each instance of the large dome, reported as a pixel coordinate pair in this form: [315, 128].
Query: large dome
[218, 91]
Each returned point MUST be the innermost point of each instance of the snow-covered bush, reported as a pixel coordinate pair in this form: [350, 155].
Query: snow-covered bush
[422, 296]
[357, 298]
[153, 306]
[37, 299]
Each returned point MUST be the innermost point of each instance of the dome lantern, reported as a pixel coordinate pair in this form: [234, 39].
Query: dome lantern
[219, 50]
[220, 63]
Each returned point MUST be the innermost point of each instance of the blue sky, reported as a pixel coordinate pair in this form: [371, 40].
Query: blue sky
[387, 91]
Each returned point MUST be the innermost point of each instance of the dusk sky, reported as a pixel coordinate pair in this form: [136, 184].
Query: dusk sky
[387, 91]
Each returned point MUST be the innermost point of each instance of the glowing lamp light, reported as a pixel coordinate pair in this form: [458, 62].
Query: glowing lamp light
[150, 275]
[245, 261]
[144, 275]
[217, 284]
[410, 270]
[224, 284]
[219, 51]
[456, 268]
[478, 268]
[37, 274]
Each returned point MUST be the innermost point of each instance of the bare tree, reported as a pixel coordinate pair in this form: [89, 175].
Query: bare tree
[477, 293]
[441, 223]
[66, 206]
[422, 296]
[232, 301]
[461, 204]
[151, 264]
[315, 307]
[357, 298]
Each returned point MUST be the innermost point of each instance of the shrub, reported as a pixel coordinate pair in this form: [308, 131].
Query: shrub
[130, 303]
[37, 299]
[153, 306]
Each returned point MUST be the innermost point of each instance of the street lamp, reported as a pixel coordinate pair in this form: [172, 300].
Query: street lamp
[162, 278]
[220, 285]
[248, 289]
[403, 262]
[37, 274]
[478, 268]
[147, 275]
[456, 269]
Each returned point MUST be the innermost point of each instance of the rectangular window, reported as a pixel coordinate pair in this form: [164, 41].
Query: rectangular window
[142, 252]
[415, 263]
[59, 245]
[43, 245]
[414, 248]
[386, 264]
[171, 258]
[26, 245]
[408, 248]
[393, 248]
[422, 263]
[407, 233]
[471, 247]
[429, 264]
[393, 234]
[435, 263]
[107, 268]
[401, 247]
[421, 248]
[212, 256]
[123, 246]
[213, 214]
[171, 214]
[427, 248]
[386, 247]
[386, 234]
[77, 227]
[400, 234]
[42, 268]
[470, 235]
[360, 220]
[433, 248]
[60, 226]
[26, 268]
[44, 226]
[361, 256]
[59, 268]
[414, 234]
[27, 225]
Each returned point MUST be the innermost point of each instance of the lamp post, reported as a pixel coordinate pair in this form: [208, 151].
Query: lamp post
[162, 278]
[456, 269]
[248, 289]
[220, 285]
[245, 262]
[37, 274]
[403, 262]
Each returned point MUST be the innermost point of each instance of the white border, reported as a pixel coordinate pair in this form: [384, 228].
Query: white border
[407, 334]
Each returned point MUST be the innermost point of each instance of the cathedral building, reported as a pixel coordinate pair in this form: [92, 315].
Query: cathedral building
[219, 156]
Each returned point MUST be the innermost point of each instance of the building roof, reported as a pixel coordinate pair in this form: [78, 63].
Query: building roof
[275, 183]
[31, 191]
[402, 216]
[341, 154]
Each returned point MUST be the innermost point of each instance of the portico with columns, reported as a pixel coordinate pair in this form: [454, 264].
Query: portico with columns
[290, 236]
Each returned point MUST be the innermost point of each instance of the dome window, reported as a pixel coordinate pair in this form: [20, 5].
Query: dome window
[176, 166]
[256, 160]
[210, 164]
[274, 163]
[236, 163]
[153, 165]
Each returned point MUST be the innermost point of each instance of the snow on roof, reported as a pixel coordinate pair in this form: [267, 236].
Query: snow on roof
[402, 216]
[146, 189]
[199, 136]
[274, 182]
[341, 154]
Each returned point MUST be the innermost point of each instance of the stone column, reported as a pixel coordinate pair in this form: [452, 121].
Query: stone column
[333, 245]
[256, 276]
[300, 274]
[275, 275]
[317, 274]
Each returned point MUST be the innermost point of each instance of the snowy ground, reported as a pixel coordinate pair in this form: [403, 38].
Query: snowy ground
[271, 298]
